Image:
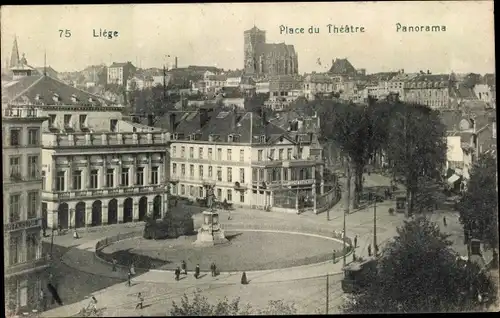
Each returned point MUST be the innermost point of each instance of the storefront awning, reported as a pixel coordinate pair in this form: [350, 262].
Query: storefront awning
[454, 178]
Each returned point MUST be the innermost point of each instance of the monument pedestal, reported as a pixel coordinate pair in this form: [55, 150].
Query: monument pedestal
[210, 233]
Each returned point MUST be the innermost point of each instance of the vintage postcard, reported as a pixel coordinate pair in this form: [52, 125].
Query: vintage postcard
[249, 158]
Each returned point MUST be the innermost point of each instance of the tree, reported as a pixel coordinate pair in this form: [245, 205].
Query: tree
[479, 206]
[416, 149]
[200, 306]
[419, 272]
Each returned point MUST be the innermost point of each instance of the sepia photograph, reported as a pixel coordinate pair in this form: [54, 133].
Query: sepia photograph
[227, 159]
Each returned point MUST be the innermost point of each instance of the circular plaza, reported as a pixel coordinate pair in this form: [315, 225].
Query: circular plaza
[246, 250]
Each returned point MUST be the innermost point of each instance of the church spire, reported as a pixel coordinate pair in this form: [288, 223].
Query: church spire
[45, 63]
[14, 57]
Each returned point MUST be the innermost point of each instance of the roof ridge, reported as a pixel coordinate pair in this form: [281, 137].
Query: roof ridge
[27, 88]
[81, 90]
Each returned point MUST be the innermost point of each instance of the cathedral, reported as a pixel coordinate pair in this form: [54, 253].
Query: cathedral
[263, 59]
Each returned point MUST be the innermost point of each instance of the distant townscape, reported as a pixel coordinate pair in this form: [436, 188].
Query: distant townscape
[90, 150]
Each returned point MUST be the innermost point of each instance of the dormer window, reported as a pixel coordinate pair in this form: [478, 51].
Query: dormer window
[56, 98]
[230, 138]
[38, 97]
[213, 137]
[74, 99]
[196, 136]
[91, 100]
[263, 138]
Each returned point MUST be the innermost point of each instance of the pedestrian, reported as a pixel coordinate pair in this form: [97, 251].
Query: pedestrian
[197, 271]
[376, 249]
[212, 269]
[184, 267]
[93, 304]
[129, 278]
[140, 301]
[132, 269]
[75, 235]
[59, 229]
[114, 265]
[369, 250]
[334, 256]
[43, 303]
[177, 273]
[229, 215]
[355, 241]
[444, 221]
[215, 270]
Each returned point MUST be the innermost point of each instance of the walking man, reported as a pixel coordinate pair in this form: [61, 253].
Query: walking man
[129, 277]
[132, 269]
[215, 270]
[355, 241]
[444, 221]
[197, 271]
[212, 269]
[140, 301]
[43, 303]
[184, 267]
[334, 256]
[369, 250]
[75, 235]
[177, 273]
[114, 265]
[376, 250]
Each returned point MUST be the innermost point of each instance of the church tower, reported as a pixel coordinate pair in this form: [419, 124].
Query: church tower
[252, 38]
[14, 56]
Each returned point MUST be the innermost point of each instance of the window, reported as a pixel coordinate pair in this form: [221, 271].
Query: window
[125, 181]
[191, 170]
[242, 175]
[183, 151]
[242, 197]
[285, 174]
[15, 169]
[112, 125]
[154, 175]
[33, 137]
[219, 173]
[280, 154]
[174, 151]
[15, 137]
[191, 152]
[139, 180]
[229, 154]
[200, 153]
[94, 179]
[210, 153]
[174, 169]
[44, 179]
[33, 167]
[219, 154]
[183, 189]
[183, 170]
[210, 174]
[229, 195]
[200, 171]
[67, 120]
[259, 155]
[52, 120]
[271, 154]
[110, 178]
[200, 192]
[14, 244]
[83, 120]
[229, 175]
[31, 246]
[219, 194]
[174, 189]
[261, 174]
[242, 155]
[60, 181]
[289, 153]
[191, 191]
[77, 179]
[14, 208]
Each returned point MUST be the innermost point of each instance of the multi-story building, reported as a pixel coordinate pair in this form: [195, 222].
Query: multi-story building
[431, 90]
[244, 159]
[398, 83]
[318, 84]
[283, 90]
[24, 262]
[261, 58]
[97, 169]
[119, 73]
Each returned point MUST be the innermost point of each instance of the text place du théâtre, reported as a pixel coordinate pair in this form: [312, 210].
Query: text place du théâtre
[329, 28]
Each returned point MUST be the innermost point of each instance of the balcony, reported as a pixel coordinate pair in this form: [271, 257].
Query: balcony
[286, 163]
[96, 193]
[25, 224]
[87, 139]
[282, 183]
[22, 112]
[27, 266]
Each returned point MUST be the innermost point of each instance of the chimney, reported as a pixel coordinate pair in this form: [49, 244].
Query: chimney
[203, 117]
[428, 72]
[175, 65]
[150, 120]
[172, 122]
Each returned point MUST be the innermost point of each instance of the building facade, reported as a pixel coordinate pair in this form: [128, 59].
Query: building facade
[97, 169]
[24, 263]
[243, 159]
[261, 58]
[119, 73]
[431, 90]
[318, 84]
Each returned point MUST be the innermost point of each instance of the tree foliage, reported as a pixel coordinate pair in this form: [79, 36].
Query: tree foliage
[200, 306]
[418, 272]
[479, 206]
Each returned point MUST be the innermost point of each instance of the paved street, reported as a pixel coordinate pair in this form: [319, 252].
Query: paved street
[305, 285]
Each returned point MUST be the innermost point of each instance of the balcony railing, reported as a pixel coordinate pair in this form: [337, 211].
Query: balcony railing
[281, 183]
[25, 224]
[22, 112]
[30, 265]
[105, 139]
[288, 162]
[75, 194]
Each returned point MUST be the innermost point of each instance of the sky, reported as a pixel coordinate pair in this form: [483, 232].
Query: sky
[212, 34]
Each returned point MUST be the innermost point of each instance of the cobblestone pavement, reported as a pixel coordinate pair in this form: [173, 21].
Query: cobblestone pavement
[304, 285]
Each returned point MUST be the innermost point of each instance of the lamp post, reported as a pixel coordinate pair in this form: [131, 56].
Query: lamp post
[348, 199]
[375, 224]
